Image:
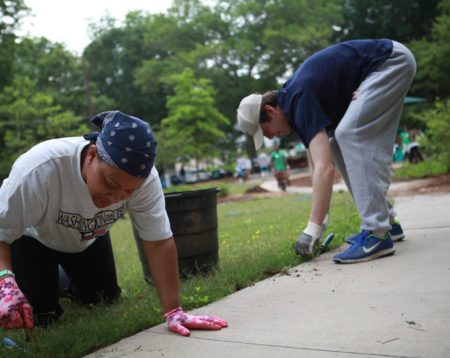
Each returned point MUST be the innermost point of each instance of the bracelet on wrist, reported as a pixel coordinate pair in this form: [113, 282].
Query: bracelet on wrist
[171, 312]
[6, 272]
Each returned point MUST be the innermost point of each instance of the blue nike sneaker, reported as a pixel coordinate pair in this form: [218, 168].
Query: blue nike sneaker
[365, 247]
[396, 232]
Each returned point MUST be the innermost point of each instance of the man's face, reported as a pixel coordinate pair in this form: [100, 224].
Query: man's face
[277, 124]
[106, 184]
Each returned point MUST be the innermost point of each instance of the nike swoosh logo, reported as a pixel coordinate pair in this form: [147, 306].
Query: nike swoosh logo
[368, 250]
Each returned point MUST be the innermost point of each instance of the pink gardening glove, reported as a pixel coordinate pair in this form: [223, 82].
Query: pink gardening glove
[180, 322]
[15, 310]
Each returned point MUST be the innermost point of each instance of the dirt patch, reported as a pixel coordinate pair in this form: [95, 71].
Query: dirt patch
[256, 189]
[251, 193]
[437, 184]
[305, 180]
[251, 196]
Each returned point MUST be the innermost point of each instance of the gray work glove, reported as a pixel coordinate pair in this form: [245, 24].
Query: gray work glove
[305, 244]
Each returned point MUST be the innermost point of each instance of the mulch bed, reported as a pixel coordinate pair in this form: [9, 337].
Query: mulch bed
[437, 184]
[256, 189]
[306, 180]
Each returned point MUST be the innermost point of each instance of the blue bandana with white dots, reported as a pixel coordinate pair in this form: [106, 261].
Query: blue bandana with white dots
[125, 142]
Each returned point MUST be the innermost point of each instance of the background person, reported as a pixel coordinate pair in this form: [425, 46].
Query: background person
[345, 103]
[414, 153]
[243, 167]
[280, 166]
[263, 163]
[405, 140]
[56, 208]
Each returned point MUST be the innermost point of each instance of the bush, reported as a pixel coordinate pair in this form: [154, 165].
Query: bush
[437, 141]
[224, 190]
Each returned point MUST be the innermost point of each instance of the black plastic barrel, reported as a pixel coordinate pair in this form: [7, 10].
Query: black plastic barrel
[194, 223]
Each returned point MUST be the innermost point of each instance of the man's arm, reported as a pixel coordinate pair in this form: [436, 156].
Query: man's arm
[162, 261]
[322, 176]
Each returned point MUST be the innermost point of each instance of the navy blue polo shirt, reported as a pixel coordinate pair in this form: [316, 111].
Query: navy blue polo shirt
[320, 91]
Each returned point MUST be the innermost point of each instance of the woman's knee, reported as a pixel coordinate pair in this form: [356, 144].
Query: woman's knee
[45, 319]
[99, 296]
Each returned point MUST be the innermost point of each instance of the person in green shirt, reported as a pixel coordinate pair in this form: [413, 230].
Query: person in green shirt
[279, 165]
[279, 161]
[405, 139]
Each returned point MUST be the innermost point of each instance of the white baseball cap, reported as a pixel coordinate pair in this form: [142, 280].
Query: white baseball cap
[248, 118]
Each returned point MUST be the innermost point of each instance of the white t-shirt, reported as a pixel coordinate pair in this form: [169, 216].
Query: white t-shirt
[45, 197]
[263, 160]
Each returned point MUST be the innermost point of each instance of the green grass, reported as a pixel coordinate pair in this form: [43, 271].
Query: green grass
[255, 241]
[420, 170]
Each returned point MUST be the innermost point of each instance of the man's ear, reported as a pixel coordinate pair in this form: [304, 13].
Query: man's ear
[268, 108]
[270, 111]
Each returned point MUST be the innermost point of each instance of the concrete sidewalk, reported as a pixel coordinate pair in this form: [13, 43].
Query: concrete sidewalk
[397, 306]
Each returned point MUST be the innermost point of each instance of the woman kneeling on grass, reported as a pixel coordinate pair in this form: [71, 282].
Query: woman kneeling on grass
[56, 209]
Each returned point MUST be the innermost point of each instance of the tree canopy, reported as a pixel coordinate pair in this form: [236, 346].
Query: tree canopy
[217, 52]
[193, 125]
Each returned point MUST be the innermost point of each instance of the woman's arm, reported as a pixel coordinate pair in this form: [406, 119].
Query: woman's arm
[162, 261]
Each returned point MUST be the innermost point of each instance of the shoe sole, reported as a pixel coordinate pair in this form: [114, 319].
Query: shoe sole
[381, 253]
[398, 237]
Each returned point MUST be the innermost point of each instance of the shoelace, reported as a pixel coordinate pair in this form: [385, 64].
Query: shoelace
[361, 238]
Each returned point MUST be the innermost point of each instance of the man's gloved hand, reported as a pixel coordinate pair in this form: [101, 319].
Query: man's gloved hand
[180, 322]
[305, 244]
[308, 240]
[15, 310]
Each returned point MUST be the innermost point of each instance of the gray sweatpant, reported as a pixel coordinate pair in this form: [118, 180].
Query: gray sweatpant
[364, 139]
